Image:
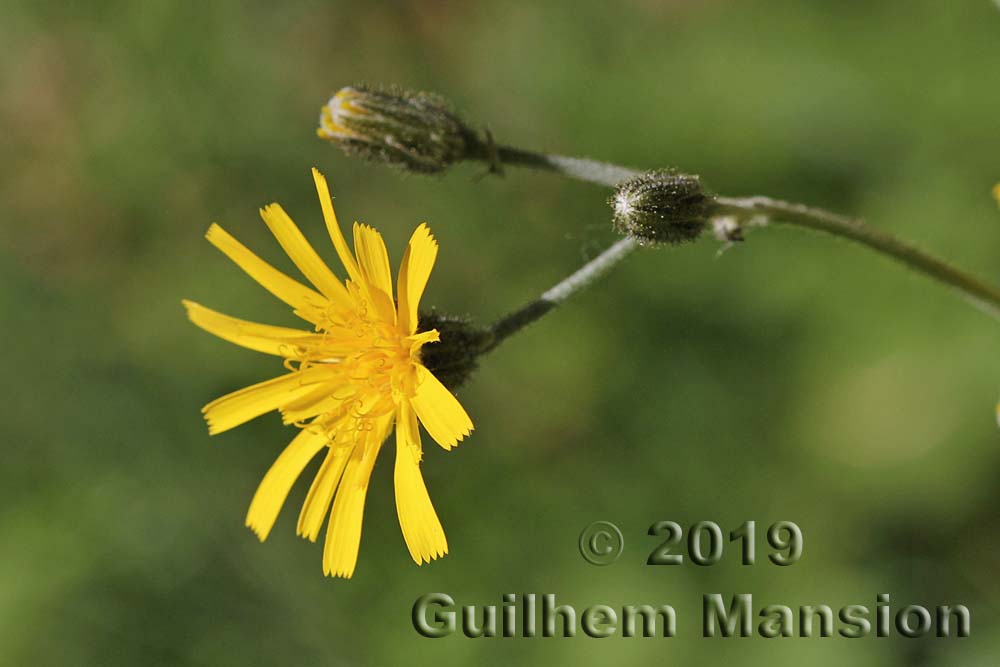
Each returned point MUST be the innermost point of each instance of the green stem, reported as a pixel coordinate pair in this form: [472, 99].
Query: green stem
[980, 293]
[560, 292]
[582, 169]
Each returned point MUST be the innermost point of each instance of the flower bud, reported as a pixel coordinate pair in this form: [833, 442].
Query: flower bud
[454, 357]
[415, 131]
[661, 206]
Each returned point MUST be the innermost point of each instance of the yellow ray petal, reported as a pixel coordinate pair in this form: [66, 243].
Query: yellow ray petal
[278, 481]
[408, 429]
[320, 495]
[323, 399]
[374, 262]
[440, 412]
[415, 269]
[333, 227]
[280, 341]
[417, 341]
[292, 292]
[343, 535]
[245, 404]
[303, 255]
[421, 527]
[373, 258]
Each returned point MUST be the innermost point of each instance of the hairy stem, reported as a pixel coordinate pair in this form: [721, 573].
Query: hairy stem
[579, 279]
[583, 169]
[980, 293]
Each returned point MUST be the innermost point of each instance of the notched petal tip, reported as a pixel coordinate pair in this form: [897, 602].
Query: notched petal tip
[339, 574]
[213, 426]
[191, 308]
[214, 231]
[423, 229]
[458, 438]
[257, 531]
[429, 556]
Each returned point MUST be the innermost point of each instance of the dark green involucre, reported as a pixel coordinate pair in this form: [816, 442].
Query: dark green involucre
[415, 131]
[454, 358]
[662, 206]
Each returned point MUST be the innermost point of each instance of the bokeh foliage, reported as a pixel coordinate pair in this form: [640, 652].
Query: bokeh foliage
[794, 377]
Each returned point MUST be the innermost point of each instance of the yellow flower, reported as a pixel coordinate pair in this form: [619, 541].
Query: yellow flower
[996, 192]
[350, 379]
[344, 103]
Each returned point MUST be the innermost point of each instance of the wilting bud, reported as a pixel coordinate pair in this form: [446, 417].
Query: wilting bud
[662, 206]
[415, 131]
[453, 358]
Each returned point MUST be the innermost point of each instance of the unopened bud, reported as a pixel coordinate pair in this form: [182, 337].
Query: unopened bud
[415, 131]
[455, 356]
[662, 206]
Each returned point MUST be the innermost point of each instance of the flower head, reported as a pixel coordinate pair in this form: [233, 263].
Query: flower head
[350, 379]
[415, 131]
[661, 206]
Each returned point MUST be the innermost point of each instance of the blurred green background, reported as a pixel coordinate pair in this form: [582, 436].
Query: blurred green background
[793, 378]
